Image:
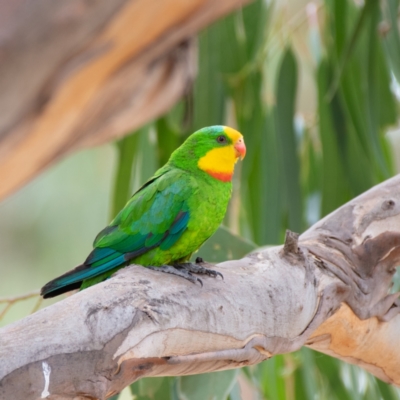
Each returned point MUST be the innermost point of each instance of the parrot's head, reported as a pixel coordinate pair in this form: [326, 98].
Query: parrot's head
[214, 150]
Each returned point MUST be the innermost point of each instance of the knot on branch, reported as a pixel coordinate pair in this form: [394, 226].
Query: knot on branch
[291, 243]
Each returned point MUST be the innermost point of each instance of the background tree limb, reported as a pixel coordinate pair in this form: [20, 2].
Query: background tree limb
[78, 73]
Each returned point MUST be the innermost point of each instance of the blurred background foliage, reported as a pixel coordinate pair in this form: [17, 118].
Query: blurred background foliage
[314, 88]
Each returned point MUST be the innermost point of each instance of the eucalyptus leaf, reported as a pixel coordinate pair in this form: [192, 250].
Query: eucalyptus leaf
[153, 389]
[391, 35]
[126, 149]
[213, 386]
[224, 245]
[284, 125]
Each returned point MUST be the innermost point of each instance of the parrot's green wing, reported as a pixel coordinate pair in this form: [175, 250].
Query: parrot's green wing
[155, 216]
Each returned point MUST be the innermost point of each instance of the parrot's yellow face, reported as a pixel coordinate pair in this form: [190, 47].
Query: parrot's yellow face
[220, 161]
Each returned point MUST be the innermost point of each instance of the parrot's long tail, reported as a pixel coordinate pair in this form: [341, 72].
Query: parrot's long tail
[91, 268]
[100, 261]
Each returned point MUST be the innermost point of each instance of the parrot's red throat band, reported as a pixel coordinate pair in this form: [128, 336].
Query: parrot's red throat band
[221, 176]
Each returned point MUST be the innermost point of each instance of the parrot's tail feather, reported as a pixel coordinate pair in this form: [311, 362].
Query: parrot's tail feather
[99, 261]
[47, 292]
[64, 283]
[73, 279]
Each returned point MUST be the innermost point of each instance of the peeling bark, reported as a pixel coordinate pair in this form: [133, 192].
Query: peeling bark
[327, 289]
[77, 73]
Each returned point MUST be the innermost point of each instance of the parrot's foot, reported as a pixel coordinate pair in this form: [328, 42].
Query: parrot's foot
[183, 273]
[198, 269]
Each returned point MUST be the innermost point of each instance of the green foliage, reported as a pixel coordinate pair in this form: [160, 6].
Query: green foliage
[284, 126]
[303, 160]
[391, 36]
[154, 389]
[214, 386]
[137, 161]
[225, 245]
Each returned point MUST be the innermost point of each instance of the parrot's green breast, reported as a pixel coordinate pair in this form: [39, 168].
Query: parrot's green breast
[206, 206]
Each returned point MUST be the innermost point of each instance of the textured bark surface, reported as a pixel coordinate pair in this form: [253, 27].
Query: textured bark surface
[327, 289]
[76, 73]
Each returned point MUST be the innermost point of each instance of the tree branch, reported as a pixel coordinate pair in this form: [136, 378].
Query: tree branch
[328, 292]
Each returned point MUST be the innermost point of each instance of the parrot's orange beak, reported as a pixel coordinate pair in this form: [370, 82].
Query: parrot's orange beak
[240, 148]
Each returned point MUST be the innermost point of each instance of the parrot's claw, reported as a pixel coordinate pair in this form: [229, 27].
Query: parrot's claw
[198, 269]
[199, 260]
[183, 273]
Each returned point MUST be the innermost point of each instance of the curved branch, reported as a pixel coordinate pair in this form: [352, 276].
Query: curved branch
[328, 288]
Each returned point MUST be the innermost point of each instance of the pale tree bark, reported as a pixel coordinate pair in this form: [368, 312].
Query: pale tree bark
[75, 73]
[327, 290]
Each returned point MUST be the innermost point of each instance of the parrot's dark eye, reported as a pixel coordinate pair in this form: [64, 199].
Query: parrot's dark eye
[221, 139]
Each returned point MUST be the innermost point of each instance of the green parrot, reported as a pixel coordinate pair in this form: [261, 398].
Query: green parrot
[169, 217]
